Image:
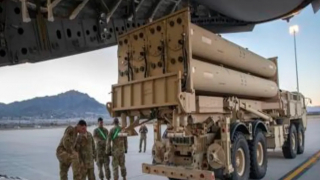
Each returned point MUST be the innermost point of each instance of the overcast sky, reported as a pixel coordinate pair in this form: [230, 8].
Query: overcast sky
[96, 71]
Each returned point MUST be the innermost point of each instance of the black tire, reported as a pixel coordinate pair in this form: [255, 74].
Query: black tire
[289, 149]
[258, 167]
[240, 142]
[300, 137]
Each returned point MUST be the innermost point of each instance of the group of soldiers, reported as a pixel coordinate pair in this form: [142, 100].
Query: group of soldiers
[78, 149]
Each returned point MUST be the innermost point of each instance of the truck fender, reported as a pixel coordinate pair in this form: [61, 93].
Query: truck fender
[259, 125]
[238, 126]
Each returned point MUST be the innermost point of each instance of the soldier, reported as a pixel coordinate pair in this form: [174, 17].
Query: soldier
[100, 135]
[143, 137]
[118, 149]
[87, 155]
[66, 153]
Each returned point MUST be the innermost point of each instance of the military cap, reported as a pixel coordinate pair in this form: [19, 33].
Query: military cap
[116, 121]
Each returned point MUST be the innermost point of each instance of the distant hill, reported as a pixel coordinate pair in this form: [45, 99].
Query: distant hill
[71, 104]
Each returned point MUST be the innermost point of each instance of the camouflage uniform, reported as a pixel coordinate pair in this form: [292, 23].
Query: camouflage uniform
[100, 135]
[67, 154]
[118, 150]
[87, 155]
[143, 137]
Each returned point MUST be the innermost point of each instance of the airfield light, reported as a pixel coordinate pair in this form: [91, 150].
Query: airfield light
[293, 30]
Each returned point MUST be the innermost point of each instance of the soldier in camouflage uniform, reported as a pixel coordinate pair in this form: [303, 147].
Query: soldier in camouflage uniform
[66, 151]
[100, 135]
[143, 137]
[118, 149]
[87, 155]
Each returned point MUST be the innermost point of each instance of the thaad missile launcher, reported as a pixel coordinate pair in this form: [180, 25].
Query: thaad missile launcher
[221, 102]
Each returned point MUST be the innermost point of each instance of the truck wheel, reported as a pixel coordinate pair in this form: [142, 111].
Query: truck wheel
[240, 157]
[289, 148]
[300, 139]
[258, 156]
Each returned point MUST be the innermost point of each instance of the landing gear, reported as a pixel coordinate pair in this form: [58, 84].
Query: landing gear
[300, 132]
[258, 154]
[240, 157]
[289, 149]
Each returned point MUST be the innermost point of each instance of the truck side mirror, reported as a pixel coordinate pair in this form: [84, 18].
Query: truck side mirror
[310, 101]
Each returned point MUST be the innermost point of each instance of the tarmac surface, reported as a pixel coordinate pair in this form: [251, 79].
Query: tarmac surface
[312, 173]
[31, 154]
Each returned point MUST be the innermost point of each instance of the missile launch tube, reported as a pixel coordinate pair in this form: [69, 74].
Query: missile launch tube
[208, 77]
[211, 47]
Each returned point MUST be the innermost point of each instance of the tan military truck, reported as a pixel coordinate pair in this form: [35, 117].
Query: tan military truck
[222, 103]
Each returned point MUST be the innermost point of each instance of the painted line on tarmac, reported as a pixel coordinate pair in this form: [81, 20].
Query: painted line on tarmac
[302, 168]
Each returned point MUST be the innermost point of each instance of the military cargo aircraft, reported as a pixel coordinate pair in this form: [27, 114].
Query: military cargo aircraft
[39, 30]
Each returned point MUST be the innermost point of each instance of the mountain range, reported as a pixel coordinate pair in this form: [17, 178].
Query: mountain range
[70, 104]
